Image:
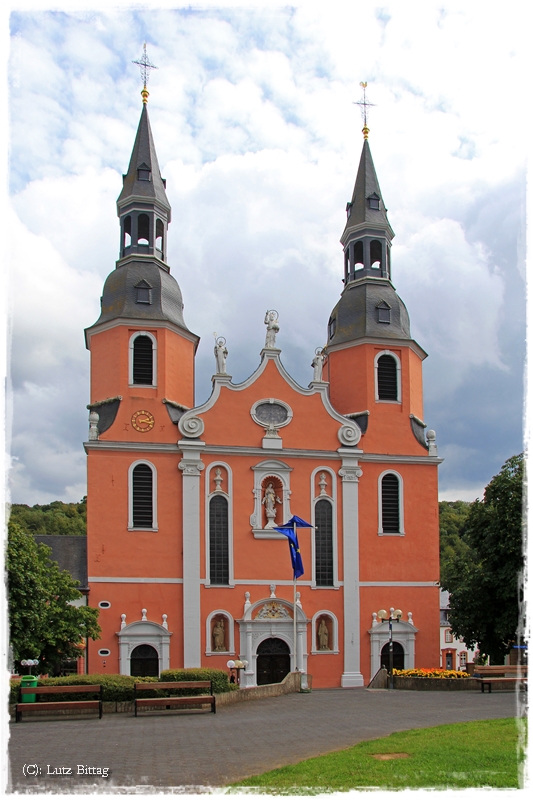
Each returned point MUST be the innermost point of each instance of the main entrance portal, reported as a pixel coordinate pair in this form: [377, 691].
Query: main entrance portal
[273, 661]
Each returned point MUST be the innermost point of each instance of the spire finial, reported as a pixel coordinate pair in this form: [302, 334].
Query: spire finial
[145, 65]
[364, 104]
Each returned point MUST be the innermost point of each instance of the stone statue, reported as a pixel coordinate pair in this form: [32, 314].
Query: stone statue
[271, 321]
[221, 353]
[269, 501]
[318, 364]
[323, 635]
[219, 635]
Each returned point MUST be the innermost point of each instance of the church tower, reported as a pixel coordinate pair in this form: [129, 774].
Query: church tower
[374, 366]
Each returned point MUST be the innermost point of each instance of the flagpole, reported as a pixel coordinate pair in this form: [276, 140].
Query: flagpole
[294, 615]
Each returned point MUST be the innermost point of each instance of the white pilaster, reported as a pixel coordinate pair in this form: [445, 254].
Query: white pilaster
[191, 466]
[350, 473]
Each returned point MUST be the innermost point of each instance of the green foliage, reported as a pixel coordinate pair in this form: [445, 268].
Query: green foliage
[466, 755]
[484, 577]
[116, 688]
[42, 622]
[119, 688]
[53, 519]
[452, 519]
[218, 678]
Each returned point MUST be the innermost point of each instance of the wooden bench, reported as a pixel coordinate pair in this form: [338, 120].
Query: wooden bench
[500, 673]
[174, 701]
[58, 705]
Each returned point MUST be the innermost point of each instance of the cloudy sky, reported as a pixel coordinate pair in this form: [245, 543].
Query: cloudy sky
[256, 132]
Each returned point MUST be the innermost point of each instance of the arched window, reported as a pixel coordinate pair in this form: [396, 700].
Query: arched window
[143, 360]
[127, 231]
[358, 258]
[143, 229]
[142, 496]
[376, 255]
[387, 378]
[390, 505]
[218, 541]
[159, 231]
[323, 543]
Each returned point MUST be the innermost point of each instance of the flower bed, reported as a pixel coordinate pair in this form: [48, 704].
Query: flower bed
[430, 680]
[431, 673]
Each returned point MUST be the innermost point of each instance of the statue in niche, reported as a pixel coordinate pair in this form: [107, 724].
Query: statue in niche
[318, 363]
[323, 635]
[269, 501]
[219, 635]
[271, 321]
[221, 353]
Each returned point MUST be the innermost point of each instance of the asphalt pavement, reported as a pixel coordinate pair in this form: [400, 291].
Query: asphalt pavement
[190, 751]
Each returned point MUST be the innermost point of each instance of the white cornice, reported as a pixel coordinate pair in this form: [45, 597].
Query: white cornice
[141, 324]
[414, 584]
[410, 343]
[144, 447]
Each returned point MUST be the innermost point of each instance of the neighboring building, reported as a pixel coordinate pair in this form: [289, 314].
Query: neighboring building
[453, 652]
[70, 553]
[183, 559]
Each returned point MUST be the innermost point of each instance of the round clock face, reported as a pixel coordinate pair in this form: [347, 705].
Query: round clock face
[142, 421]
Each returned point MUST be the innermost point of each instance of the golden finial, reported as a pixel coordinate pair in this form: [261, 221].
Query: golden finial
[145, 65]
[364, 104]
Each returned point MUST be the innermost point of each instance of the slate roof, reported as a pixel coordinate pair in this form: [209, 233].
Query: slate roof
[70, 552]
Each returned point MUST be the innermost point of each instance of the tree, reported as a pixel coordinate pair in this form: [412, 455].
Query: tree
[485, 578]
[452, 519]
[43, 622]
[54, 519]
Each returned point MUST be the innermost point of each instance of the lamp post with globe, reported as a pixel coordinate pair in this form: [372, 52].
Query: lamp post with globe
[394, 613]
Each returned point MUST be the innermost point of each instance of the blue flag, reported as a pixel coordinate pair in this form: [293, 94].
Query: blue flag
[289, 530]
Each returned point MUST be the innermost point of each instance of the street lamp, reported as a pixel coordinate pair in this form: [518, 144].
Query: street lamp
[29, 662]
[394, 613]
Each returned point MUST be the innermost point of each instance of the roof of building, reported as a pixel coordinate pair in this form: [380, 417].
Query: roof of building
[357, 316]
[366, 185]
[143, 156]
[70, 552]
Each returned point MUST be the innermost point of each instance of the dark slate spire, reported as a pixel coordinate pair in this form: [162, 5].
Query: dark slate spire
[143, 180]
[366, 206]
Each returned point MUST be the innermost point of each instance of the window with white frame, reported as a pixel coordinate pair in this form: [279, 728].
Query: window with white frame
[142, 511]
[387, 368]
[143, 359]
[218, 541]
[390, 504]
[448, 637]
[323, 543]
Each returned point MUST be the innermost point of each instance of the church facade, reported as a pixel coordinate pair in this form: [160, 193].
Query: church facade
[183, 557]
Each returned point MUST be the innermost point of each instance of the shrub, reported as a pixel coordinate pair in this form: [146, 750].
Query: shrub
[218, 678]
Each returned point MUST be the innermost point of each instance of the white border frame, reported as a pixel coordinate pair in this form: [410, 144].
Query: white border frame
[152, 385]
[130, 495]
[398, 377]
[333, 500]
[229, 497]
[281, 471]
[143, 632]
[381, 532]
[335, 631]
[271, 401]
[230, 629]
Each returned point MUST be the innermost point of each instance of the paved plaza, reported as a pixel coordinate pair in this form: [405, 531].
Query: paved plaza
[193, 750]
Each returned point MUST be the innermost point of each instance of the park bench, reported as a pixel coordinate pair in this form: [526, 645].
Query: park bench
[496, 673]
[58, 705]
[175, 701]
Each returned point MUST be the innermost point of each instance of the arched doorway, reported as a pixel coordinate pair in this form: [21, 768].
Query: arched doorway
[398, 656]
[144, 661]
[273, 661]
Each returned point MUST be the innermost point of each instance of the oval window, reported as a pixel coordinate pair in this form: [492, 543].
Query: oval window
[104, 652]
[104, 604]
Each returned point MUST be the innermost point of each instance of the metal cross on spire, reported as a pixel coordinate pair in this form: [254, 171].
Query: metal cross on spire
[364, 105]
[145, 66]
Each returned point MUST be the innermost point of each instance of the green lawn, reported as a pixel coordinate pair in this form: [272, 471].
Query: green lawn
[468, 754]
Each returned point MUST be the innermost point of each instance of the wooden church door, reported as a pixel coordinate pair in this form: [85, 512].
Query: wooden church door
[273, 661]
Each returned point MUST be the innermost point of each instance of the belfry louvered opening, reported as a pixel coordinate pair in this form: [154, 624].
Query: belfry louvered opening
[390, 503]
[387, 378]
[143, 360]
[323, 543]
[218, 541]
[143, 496]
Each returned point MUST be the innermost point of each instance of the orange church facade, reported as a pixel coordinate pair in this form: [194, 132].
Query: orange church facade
[183, 557]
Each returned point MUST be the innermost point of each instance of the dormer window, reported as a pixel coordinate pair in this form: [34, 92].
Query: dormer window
[332, 327]
[348, 210]
[144, 292]
[383, 310]
[144, 173]
[373, 202]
